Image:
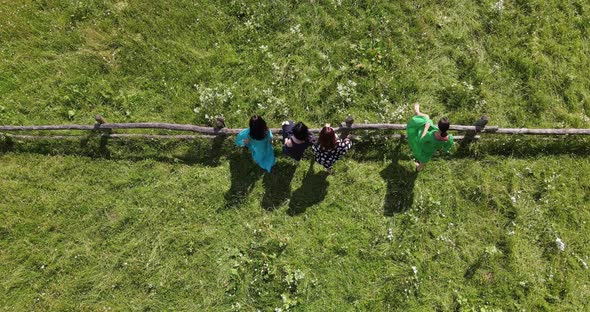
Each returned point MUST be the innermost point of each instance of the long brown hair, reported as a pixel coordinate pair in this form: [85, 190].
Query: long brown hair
[327, 139]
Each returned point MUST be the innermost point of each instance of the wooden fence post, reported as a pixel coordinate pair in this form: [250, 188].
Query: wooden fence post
[349, 121]
[100, 119]
[480, 125]
[348, 125]
[104, 137]
[219, 123]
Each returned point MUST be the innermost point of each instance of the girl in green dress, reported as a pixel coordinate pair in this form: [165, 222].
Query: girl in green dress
[425, 138]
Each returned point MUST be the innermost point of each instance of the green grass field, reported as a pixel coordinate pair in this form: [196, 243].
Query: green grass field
[500, 225]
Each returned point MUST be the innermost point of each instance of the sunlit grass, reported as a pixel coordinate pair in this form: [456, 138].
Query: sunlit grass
[148, 225]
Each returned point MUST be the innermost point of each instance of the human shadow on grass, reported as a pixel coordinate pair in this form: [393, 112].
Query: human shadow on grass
[6, 144]
[277, 185]
[211, 152]
[400, 185]
[244, 173]
[313, 190]
[515, 146]
[103, 148]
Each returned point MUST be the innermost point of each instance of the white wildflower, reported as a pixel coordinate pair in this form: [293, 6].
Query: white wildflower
[295, 29]
[560, 244]
[584, 264]
[346, 90]
[498, 6]
[468, 85]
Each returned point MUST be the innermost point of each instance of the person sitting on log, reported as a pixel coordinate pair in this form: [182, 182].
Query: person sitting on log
[296, 139]
[258, 139]
[330, 148]
[425, 138]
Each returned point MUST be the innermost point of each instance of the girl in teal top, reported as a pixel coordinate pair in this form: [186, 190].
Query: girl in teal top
[258, 139]
[425, 138]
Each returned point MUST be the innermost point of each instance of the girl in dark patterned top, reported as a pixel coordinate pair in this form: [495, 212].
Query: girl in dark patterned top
[329, 148]
[296, 139]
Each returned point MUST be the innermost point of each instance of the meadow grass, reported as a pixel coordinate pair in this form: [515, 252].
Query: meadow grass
[145, 225]
[213, 232]
[524, 63]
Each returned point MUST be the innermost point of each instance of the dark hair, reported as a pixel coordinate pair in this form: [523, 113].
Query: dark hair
[258, 128]
[327, 138]
[443, 126]
[300, 131]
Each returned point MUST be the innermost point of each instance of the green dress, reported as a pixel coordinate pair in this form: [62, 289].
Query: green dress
[424, 148]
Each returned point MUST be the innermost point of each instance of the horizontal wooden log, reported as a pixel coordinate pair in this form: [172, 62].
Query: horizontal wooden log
[143, 125]
[158, 136]
[43, 137]
[140, 125]
[110, 136]
[213, 131]
[403, 136]
[48, 127]
[381, 126]
[377, 126]
[343, 127]
[542, 131]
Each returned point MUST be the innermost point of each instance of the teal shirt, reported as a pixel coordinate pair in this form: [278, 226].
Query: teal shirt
[262, 151]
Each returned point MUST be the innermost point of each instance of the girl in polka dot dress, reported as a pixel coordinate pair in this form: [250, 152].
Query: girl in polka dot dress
[329, 148]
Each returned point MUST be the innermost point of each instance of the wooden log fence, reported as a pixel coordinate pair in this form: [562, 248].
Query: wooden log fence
[163, 136]
[106, 129]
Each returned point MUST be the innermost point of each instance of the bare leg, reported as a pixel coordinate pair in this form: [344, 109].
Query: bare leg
[417, 111]
[419, 166]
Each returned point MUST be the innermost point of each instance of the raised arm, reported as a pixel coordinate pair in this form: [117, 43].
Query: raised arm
[242, 138]
[426, 126]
